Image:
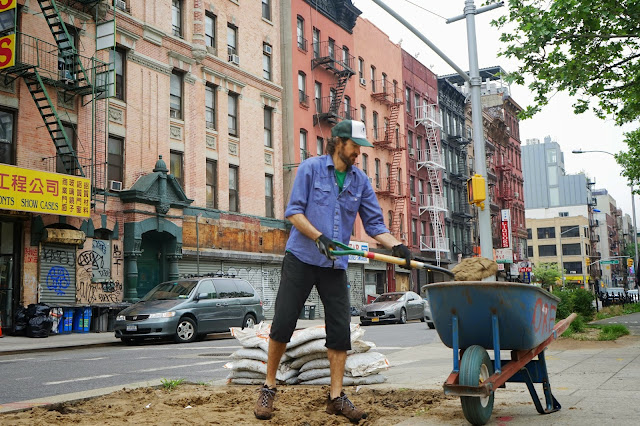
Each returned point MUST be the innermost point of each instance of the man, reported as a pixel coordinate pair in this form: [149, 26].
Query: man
[327, 194]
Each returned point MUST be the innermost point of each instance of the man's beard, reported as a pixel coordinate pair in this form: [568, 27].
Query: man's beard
[349, 161]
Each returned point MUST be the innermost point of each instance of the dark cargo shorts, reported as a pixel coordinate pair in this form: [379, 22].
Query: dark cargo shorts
[298, 278]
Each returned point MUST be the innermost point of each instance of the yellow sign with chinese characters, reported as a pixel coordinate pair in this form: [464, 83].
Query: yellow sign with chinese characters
[43, 192]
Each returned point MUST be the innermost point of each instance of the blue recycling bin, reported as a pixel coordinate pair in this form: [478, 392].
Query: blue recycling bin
[81, 320]
[66, 322]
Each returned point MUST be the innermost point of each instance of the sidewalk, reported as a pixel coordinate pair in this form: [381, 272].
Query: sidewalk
[21, 344]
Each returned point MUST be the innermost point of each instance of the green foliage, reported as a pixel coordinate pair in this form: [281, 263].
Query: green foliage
[612, 332]
[578, 301]
[547, 274]
[170, 385]
[589, 49]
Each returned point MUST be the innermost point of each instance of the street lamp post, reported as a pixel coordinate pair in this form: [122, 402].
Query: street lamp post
[633, 210]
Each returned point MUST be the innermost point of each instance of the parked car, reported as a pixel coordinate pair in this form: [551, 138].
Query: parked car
[400, 307]
[185, 309]
[427, 313]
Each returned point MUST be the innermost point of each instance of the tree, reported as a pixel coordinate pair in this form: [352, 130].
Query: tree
[547, 274]
[588, 48]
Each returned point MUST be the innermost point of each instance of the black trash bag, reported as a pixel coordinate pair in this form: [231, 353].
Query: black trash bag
[37, 310]
[20, 322]
[39, 326]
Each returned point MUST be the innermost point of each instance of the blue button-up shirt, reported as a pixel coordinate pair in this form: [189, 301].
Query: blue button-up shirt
[315, 195]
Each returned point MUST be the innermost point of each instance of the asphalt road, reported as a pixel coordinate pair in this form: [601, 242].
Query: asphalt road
[631, 321]
[44, 374]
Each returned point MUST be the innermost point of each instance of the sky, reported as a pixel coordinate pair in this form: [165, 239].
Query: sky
[572, 132]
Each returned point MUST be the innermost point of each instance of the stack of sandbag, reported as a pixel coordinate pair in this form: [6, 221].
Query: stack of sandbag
[305, 361]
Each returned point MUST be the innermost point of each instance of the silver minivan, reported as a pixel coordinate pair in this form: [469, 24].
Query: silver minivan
[190, 307]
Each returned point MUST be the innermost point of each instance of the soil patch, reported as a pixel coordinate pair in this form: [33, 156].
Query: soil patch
[567, 343]
[233, 405]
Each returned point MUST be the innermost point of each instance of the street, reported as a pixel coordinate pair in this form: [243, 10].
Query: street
[43, 374]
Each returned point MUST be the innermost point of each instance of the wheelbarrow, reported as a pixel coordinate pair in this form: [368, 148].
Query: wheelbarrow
[472, 317]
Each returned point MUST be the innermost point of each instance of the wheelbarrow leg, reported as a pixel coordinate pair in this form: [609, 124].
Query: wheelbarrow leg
[542, 377]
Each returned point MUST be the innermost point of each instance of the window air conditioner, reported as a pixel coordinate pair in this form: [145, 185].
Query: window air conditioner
[363, 81]
[121, 4]
[370, 180]
[413, 199]
[267, 49]
[516, 194]
[412, 152]
[115, 185]
[234, 59]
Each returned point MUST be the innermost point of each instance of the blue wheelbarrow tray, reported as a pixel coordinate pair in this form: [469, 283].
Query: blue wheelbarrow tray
[525, 313]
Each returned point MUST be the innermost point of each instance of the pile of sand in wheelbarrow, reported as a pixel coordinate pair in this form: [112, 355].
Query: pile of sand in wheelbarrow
[474, 269]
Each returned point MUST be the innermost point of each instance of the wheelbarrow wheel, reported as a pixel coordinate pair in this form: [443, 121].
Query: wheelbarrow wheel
[475, 368]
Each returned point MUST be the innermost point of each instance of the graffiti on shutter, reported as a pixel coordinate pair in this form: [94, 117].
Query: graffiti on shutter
[57, 274]
[355, 277]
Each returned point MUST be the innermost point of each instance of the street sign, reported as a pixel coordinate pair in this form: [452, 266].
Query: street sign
[610, 262]
[504, 255]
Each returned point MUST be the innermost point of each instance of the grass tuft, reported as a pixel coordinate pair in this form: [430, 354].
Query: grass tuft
[612, 332]
[170, 385]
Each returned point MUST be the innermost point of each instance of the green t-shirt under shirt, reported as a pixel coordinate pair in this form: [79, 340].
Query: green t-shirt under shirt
[340, 178]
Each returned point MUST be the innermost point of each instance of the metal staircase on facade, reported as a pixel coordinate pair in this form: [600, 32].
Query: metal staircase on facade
[339, 62]
[427, 115]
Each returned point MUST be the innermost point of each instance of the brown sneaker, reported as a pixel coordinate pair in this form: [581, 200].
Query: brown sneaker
[342, 405]
[264, 404]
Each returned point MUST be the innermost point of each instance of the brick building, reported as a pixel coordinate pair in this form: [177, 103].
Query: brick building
[182, 180]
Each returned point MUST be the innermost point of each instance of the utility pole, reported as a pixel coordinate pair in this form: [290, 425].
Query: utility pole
[474, 80]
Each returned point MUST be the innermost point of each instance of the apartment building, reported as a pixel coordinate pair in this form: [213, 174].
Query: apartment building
[609, 240]
[169, 174]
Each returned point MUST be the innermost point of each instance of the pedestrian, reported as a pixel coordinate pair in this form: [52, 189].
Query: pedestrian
[328, 193]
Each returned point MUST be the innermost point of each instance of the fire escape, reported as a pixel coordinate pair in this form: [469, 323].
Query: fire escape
[339, 62]
[504, 190]
[59, 69]
[427, 115]
[392, 140]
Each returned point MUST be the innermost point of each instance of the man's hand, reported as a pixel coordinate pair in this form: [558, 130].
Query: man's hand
[402, 251]
[324, 244]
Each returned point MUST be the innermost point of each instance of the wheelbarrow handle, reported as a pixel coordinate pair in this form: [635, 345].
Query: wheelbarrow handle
[345, 250]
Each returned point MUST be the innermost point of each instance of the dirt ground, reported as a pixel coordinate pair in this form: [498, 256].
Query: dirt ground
[233, 405]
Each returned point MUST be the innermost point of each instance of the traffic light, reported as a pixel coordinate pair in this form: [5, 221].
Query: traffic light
[629, 262]
[587, 261]
[476, 190]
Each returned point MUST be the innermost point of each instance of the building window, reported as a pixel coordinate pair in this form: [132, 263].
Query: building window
[373, 78]
[268, 130]
[571, 249]
[232, 39]
[175, 95]
[530, 252]
[529, 234]
[266, 61]
[70, 131]
[547, 250]
[317, 92]
[320, 146]
[234, 198]
[331, 47]
[266, 9]
[212, 184]
[570, 231]
[407, 97]
[363, 114]
[210, 29]
[410, 141]
[210, 106]
[302, 88]
[365, 164]
[302, 42]
[346, 57]
[360, 68]
[416, 100]
[414, 232]
[268, 196]
[544, 233]
[316, 42]
[377, 171]
[423, 228]
[375, 126]
[117, 57]
[115, 159]
[232, 112]
[573, 267]
[175, 167]
[347, 108]
[412, 186]
[7, 144]
[176, 17]
[390, 218]
[304, 154]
